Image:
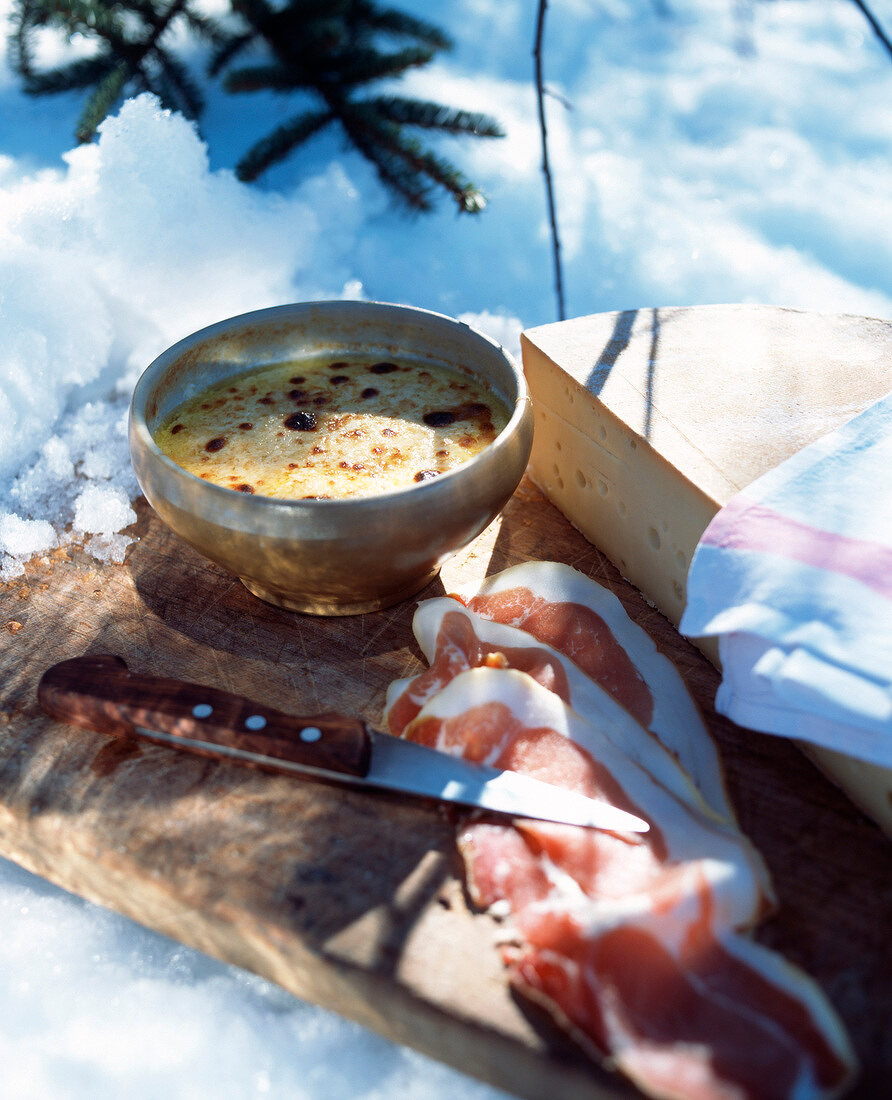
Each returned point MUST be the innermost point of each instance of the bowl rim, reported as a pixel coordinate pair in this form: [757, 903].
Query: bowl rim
[139, 425]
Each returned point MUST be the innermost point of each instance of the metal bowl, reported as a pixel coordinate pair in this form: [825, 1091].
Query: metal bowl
[342, 556]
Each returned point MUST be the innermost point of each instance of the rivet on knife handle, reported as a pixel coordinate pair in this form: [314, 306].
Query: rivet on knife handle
[101, 693]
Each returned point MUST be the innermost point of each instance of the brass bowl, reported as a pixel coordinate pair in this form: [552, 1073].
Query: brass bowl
[330, 557]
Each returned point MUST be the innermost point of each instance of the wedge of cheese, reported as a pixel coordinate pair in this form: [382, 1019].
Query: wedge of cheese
[648, 421]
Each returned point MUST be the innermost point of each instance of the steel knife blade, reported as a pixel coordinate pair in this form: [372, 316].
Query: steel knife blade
[101, 693]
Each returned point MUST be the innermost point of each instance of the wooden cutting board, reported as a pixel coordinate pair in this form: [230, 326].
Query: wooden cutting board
[351, 900]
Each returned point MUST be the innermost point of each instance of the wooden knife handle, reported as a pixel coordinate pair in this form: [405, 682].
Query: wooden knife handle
[101, 693]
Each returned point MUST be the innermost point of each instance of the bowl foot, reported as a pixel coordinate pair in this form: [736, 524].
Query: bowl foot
[333, 605]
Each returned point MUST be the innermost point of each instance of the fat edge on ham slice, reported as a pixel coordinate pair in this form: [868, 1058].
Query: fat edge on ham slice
[585, 621]
[632, 942]
[503, 718]
[453, 639]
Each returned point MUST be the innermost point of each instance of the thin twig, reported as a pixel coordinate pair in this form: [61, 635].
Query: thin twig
[549, 188]
[875, 25]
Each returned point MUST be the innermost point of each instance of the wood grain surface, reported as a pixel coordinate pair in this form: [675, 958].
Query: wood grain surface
[352, 900]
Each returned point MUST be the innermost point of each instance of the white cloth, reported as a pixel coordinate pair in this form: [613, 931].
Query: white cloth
[794, 575]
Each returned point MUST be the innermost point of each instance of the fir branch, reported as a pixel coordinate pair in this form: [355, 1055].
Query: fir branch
[256, 78]
[76, 16]
[20, 44]
[101, 102]
[365, 66]
[406, 26]
[282, 141]
[200, 25]
[255, 11]
[177, 86]
[332, 51]
[393, 171]
[131, 55]
[227, 49]
[159, 28]
[309, 12]
[419, 168]
[206, 29]
[83, 73]
[434, 116]
[468, 198]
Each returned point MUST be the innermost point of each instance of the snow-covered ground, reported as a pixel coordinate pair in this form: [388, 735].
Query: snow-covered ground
[702, 151]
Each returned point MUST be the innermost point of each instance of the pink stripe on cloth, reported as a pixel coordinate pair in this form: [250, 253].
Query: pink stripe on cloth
[748, 525]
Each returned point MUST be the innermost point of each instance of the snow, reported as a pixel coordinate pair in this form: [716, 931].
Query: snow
[702, 151]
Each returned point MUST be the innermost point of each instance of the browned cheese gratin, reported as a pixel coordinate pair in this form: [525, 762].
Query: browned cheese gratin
[321, 429]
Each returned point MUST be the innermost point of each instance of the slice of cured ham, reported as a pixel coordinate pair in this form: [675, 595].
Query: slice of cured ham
[716, 1018]
[586, 622]
[632, 942]
[503, 718]
[454, 639]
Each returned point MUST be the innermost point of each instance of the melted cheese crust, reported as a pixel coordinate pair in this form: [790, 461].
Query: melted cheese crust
[323, 429]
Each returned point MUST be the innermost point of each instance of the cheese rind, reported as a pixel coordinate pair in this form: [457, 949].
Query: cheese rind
[633, 507]
[647, 422]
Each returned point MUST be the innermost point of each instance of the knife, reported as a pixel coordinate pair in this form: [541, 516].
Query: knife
[101, 693]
